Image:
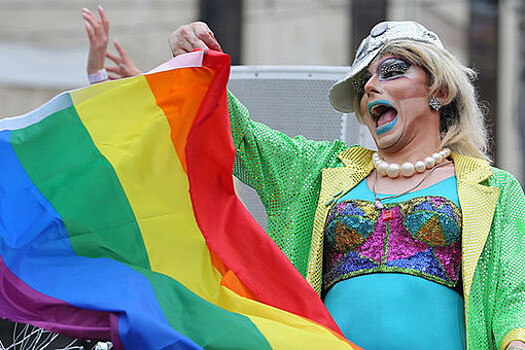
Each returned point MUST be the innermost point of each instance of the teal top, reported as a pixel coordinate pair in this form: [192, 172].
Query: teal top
[404, 310]
[397, 312]
[447, 188]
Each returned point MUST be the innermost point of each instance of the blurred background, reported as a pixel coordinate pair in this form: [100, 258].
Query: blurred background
[43, 45]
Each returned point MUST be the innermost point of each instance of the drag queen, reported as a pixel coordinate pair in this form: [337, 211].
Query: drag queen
[419, 245]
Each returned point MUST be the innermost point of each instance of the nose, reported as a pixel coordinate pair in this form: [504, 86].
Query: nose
[372, 85]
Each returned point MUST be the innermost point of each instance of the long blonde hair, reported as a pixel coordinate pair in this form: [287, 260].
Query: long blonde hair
[462, 124]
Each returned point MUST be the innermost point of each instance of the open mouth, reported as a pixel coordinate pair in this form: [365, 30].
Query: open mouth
[382, 112]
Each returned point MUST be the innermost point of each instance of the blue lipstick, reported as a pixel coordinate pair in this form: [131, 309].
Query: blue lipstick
[387, 126]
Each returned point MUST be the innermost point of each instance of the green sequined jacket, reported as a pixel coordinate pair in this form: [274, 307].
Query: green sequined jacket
[299, 179]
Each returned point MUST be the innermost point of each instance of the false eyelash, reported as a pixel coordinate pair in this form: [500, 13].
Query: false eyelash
[359, 86]
[398, 65]
[359, 83]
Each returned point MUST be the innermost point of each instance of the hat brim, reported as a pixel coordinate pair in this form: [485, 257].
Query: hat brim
[341, 94]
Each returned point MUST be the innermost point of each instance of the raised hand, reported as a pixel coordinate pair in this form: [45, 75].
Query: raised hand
[190, 37]
[123, 67]
[97, 30]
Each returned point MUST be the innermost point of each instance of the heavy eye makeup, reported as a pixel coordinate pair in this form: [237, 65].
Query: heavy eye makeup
[360, 82]
[392, 67]
[387, 69]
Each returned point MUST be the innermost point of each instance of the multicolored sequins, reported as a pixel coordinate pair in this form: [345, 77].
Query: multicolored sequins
[421, 236]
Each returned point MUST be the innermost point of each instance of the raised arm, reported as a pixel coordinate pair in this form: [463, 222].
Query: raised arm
[97, 30]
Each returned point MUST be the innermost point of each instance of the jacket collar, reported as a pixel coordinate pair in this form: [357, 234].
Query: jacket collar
[358, 157]
[471, 169]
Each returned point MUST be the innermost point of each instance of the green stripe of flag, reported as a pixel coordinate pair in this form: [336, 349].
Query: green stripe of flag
[84, 189]
[82, 186]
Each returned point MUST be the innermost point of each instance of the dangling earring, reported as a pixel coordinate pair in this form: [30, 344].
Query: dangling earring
[434, 103]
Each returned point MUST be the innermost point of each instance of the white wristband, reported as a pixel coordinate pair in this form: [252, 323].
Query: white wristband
[99, 76]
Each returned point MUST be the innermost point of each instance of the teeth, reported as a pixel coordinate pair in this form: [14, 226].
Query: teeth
[373, 112]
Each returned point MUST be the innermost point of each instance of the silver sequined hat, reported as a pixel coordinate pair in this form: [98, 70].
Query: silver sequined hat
[341, 93]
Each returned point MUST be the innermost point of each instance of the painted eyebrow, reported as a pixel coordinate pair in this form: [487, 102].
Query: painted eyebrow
[374, 67]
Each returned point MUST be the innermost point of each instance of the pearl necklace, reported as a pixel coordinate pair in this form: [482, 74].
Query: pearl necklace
[377, 201]
[408, 169]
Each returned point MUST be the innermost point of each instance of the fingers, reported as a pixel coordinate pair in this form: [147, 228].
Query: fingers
[113, 57]
[193, 36]
[209, 39]
[124, 67]
[179, 42]
[113, 69]
[116, 76]
[89, 31]
[103, 17]
[99, 27]
[122, 71]
[120, 50]
[117, 72]
[88, 25]
[91, 18]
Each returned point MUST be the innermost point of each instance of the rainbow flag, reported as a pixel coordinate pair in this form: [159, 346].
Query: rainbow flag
[119, 221]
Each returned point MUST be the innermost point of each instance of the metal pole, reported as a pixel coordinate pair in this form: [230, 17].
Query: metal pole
[521, 98]
[225, 18]
[364, 15]
[483, 52]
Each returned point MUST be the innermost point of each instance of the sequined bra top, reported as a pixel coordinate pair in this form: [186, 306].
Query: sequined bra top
[418, 233]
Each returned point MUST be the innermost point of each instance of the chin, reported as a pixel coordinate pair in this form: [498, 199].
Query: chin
[386, 142]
